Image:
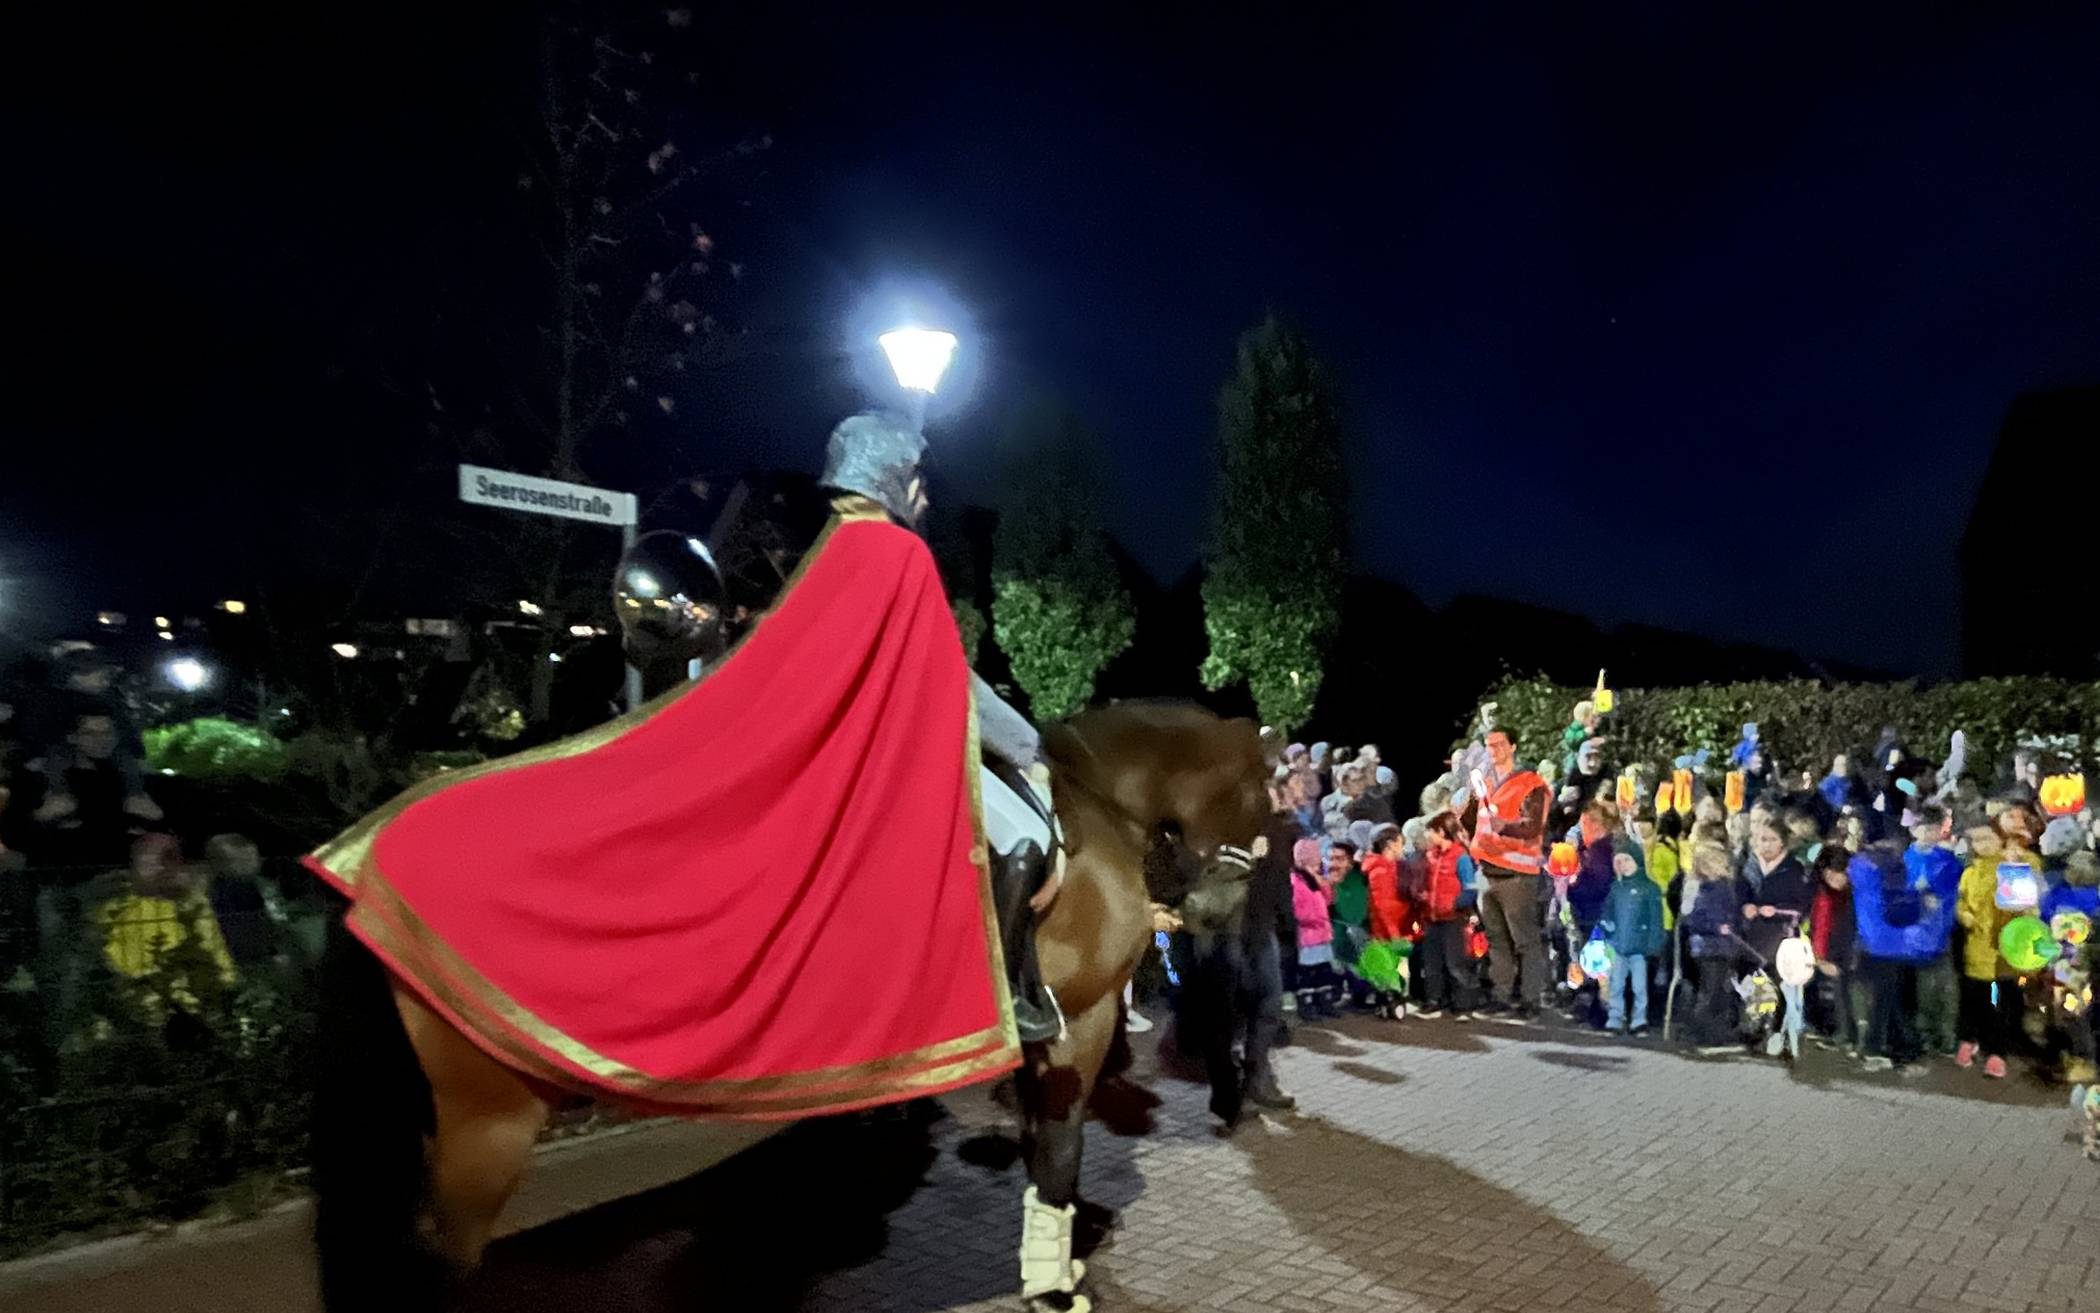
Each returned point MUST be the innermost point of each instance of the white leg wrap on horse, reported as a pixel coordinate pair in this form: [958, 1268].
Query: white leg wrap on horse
[1047, 1265]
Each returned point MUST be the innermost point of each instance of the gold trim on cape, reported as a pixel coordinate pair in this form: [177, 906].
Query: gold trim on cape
[531, 1046]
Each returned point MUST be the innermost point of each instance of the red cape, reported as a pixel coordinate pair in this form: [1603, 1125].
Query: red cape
[763, 895]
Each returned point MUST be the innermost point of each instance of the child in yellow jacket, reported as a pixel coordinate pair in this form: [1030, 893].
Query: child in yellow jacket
[1989, 1019]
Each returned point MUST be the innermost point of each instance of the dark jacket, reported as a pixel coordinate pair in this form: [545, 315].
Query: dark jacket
[1713, 906]
[1592, 883]
[1787, 888]
[1269, 911]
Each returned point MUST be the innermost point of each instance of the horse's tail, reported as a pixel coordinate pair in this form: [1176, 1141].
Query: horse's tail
[372, 1110]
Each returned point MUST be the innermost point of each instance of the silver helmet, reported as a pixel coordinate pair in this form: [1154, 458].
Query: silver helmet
[875, 455]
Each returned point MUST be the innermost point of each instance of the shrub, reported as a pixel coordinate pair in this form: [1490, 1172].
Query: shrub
[214, 748]
[1804, 723]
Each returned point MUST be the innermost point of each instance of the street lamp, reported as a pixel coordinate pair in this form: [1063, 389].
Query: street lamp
[188, 674]
[918, 357]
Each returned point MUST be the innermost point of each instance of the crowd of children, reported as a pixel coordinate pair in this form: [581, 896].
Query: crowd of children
[1893, 913]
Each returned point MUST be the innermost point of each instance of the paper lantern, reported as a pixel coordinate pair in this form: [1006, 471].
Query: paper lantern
[1603, 701]
[1796, 960]
[1476, 943]
[1595, 961]
[1576, 980]
[1733, 797]
[2063, 795]
[2018, 889]
[1382, 964]
[1629, 797]
[1681, 791]
[2071, 928]
[1562, 860]
[2026, 945]
[2068, 973]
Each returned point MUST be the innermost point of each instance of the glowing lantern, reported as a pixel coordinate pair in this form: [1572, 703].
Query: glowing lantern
[1795, 960]
[2063, 795]
[2071, 928]
[1733, 797]
[1603, 701]
[1476, 943]
[1629, 795]
[2026, 944]
[1681, 789]
[1594, 962]
[1562, 860]
[2018, 889]
[1576, 979]
[1665, 797]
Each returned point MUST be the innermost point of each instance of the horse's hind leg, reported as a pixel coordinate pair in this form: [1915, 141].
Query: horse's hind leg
[487, 1123]
[1054, 1091]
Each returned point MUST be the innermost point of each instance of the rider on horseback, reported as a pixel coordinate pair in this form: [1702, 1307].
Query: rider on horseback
[878, 456]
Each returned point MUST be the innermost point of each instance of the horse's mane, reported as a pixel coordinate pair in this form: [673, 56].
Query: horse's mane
[1161, 761]
[1079, 745]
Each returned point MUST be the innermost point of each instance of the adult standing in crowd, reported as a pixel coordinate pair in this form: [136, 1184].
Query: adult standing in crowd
[1509, 830]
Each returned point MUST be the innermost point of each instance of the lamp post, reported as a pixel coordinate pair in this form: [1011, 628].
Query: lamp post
[918, 357]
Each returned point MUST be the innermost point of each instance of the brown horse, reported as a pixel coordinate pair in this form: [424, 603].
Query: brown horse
[420, 1136]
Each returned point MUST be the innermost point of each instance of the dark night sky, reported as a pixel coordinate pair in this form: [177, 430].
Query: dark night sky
[1718, 312]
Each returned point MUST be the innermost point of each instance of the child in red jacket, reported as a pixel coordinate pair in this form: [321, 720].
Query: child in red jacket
[1447, 902]
[1392, 923]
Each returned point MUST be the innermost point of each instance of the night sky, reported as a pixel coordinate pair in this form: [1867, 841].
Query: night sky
[1695, 318]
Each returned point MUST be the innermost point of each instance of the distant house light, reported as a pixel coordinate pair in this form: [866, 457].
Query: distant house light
[234, 606]
[347, 651]
[110, 619]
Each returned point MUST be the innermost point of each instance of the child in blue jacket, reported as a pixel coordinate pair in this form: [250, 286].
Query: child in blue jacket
[1633, 919]
[1904, 917]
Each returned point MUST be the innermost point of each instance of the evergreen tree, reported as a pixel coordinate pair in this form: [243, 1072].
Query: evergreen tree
[1059, 611]
[1279, 534]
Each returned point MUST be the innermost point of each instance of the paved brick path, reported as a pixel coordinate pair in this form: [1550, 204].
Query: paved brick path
[1432, 1167]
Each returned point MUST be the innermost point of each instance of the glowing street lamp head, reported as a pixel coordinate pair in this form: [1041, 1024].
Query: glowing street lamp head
[918, 357]
[188, 674]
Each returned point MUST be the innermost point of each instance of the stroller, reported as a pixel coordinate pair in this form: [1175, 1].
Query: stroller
[1761, 990]
[1783, 976]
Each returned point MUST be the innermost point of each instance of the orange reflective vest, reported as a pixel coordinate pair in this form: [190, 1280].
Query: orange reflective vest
[1502, 812]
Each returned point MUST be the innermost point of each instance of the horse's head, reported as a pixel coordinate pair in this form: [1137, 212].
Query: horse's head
[1168, 763]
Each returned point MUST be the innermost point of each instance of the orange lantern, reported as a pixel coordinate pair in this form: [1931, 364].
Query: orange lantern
[1629, 797]
[1665, 796]
[1681, 789]
[1734, 795]
[1562, 860]
[2063, 795]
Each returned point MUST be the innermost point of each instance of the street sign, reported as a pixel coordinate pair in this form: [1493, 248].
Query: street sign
[480, 486]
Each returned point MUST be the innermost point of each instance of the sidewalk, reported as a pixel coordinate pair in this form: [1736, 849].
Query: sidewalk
[267, 1264]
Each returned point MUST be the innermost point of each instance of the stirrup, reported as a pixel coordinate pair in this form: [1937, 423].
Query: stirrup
[1047, 1265]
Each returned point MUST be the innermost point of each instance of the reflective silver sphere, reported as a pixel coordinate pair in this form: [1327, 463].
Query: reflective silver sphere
[670, 601]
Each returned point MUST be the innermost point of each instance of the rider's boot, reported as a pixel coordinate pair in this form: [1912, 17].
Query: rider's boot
[1015, 878]
[1050, 1276]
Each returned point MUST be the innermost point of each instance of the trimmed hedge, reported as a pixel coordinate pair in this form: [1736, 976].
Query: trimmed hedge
[1804, 723]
